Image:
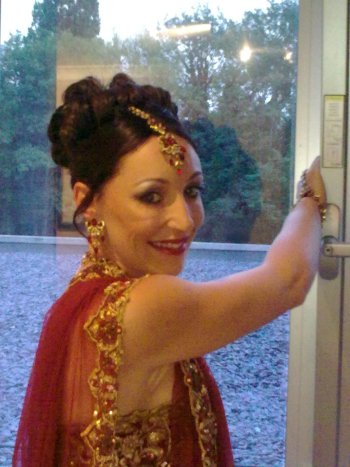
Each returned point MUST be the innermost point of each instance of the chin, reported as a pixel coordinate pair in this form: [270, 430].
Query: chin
[168, 269]
[174, 272]
[176, 269]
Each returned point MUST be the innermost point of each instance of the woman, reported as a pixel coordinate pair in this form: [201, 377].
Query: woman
[117, 379]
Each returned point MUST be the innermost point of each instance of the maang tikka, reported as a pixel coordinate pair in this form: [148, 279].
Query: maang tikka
[95, 230]
[174, 152]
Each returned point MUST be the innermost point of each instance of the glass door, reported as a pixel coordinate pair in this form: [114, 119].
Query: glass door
[234, 78]
[319, 383]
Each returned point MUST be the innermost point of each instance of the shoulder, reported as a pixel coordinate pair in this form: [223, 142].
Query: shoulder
[158, 285]
[159, 292]
[158, 309]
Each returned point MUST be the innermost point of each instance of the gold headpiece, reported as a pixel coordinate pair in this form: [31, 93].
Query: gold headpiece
[169, 146]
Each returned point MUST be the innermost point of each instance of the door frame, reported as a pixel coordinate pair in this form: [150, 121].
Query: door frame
[314, 424]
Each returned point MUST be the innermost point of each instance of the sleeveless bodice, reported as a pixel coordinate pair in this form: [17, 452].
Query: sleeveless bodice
[189, 431]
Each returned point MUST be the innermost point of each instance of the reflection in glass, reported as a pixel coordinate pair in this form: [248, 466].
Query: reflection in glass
[239, 112]
[238, 100]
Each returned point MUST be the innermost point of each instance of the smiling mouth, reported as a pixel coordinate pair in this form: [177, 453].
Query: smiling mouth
[172, 247]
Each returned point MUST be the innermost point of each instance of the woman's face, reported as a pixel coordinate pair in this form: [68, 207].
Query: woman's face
[151, 212]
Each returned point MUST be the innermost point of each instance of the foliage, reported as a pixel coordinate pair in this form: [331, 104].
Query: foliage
[240, 115]
[76, 50]
[27, 85]
[196, 61]
[256, 98]
[27, 99]
[233, 187]
[80, 17]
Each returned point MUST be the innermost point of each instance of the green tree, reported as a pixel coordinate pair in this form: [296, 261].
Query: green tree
[80, 17]
[233, 185]
[256, 99]
[195, 61]
[186, 64]
[261, 93]
[76, 50]
[144, 58]
[240, 114]
[27, 95]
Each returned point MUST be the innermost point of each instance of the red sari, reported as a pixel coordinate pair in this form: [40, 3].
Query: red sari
[70, 414]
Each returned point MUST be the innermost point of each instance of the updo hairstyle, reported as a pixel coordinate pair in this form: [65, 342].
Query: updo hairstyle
[93, 128]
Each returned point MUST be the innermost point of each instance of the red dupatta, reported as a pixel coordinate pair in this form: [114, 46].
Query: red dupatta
[38, 441]
[37, 435]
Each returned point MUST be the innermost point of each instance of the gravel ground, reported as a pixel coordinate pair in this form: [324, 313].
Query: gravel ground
[251, 373]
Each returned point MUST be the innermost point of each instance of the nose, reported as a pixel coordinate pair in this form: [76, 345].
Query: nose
[180, 216]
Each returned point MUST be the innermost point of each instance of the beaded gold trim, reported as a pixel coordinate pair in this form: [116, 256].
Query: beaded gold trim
[169, 146]
[92, 268]
[141, 438]
[206, 424]
[105, 329]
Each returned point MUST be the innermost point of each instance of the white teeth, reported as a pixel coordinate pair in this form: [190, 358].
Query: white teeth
[172, 246]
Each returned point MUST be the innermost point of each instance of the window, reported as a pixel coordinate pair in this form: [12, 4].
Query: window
[233, 74]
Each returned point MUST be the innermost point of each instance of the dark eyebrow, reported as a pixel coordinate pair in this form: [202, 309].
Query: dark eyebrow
[157, 180]
[165, 182]
[196, 174]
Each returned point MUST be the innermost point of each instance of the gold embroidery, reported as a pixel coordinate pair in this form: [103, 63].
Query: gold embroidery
[142, 437]
[206, 424]
[92, 268]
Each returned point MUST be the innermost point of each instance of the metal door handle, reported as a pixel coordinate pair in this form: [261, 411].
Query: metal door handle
[331, 247]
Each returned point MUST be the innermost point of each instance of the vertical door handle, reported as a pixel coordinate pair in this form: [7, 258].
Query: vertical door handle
[331, 247]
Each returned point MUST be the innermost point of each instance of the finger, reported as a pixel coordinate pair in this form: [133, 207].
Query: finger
[316, 163]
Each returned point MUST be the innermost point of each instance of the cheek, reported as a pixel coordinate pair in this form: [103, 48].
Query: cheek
[198, 214]
[145, 225]
[126, 217]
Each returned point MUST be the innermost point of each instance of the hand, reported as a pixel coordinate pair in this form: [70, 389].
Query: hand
[314, 182]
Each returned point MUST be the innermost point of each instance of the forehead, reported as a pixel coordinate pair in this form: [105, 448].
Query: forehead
[148, 161]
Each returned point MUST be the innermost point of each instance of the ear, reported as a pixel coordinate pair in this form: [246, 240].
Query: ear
[80, 190]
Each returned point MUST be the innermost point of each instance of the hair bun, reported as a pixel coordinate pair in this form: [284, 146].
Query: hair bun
[58, 152]
[124, 89]
[84, 102]
[87, 105]
[82, 91]
[146, 97]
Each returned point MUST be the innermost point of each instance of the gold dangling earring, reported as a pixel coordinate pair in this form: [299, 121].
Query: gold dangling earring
[95, 231]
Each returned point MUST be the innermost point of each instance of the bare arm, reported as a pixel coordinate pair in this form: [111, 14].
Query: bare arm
[169, 319]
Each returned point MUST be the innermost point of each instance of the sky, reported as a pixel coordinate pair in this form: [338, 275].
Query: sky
[128, 20]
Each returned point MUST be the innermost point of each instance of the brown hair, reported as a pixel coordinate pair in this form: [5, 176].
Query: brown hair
[93, 128]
